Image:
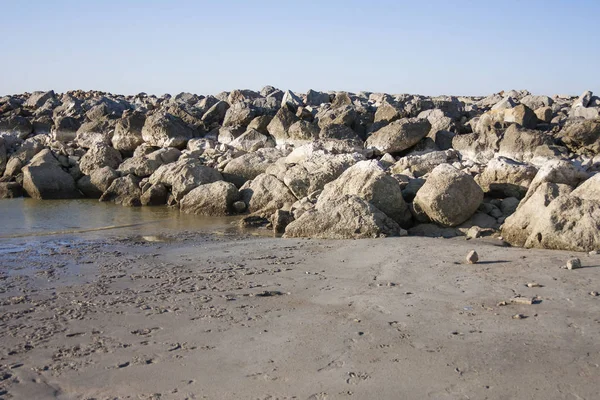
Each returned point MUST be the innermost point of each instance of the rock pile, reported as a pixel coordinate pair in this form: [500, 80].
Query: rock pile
[329, 165]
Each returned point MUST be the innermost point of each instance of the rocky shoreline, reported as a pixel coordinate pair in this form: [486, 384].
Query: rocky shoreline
[514, 165]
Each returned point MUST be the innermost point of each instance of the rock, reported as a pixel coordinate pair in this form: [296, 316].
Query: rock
[339, 132]
[239, 114]
[215, 115]
[44, 178]
[433, 230]
[184, 175]
[573, 263]
[336, 115]
[504, 177]
[95, 132]
[583, 100]
[145, 165]
[312, 173]
[97, 182]
[239, 206]
[544, 114]
[368, 180]
[509, 206]
[526, 145]
[125, 191]
[128, 132]
[252, 140]
[422, 164]
[536, 102]
[398, 135]
[344, 217]
[155, 195]
[556, 171]
[260, 124]
[37, 99]
[65, 129]
[299, 133]
[3, 156]
[449, 196]
[10, 190]
[291, 99]
[249, 166]
[592, 113]
[314, 98]
[17, 126]
[504, 104]
[213, 199]
[166, 130]
[265, 194]
[521, 115]
[280, 220]
[518, 228]
[582, 136]
[99, 156]
[387, 113]
[281, 123]
[472, 257]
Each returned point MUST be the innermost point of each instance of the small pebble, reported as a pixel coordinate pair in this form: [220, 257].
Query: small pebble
[519, 316]
[472, 257]
[593, 252]
[574, 263]
[594, 293]
[534, 284]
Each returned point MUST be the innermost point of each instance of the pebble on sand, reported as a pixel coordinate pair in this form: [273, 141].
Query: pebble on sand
[573, 263]
[472, 257]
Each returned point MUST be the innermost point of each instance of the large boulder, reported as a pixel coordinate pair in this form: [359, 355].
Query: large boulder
[582, 136]
[252, 140]
[343, 217]
[315, 98]
[265, 194]
[97, 182]
[38, 99]
[184, 175]
[99, 131]
[44, 178]
[526, 145]
[398, 135]
[166, 130]
[128, 132]
[504, 177]
[368, 180]
[125, 190]
[3, 156]
[155, 195]
[418, 165]
[10, 190]
[213, 199]
[308, 175]
[98, 156]
[249, 166]
[280, 124]
[65, 129]
[556, 171]
[449, 196]
[239, 114]
[145, 164]
[521, 115]
[16, 126]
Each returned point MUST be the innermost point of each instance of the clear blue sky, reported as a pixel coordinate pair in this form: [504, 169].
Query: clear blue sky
[421, 46]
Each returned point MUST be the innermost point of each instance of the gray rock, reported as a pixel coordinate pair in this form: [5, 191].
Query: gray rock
[128, 132]
[504, 177]
[582, 136]
[449, 196]
[98, 156]
[583, 100]
[281, 123]
[145, 165]
[368, 180]
[265, 194]
[44, 178]
[10, 190]
[252, 140]
[97, 182]
[166, 130]
[184, 175]
[249, 166]
[398, 135]
[65, 129]
[213, 199]
[344, 217]
[155, 195]
[315, 98]
[37, 99]
[125, 191]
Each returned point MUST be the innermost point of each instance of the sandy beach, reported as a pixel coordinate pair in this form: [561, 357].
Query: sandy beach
[230, 316]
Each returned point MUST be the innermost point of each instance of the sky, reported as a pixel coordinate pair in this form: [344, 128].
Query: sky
[429, 47]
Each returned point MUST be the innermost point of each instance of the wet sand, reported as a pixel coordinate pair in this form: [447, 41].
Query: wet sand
[222, 316]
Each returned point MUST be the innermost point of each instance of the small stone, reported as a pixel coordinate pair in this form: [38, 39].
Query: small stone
[239, 206]
[573, 263]
[594, 293]
[519, 316]
[472, 257]
[534, 284]
[593, 253]
[522, 300]
[501, 304]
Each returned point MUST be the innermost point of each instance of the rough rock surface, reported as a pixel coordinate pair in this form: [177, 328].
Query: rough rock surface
[265, 194]
[213, 199]
[125, 191]
[44, 178]
[398, 135]
[166, 130]
[449, 196]
[344, 217]
[184, 175]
